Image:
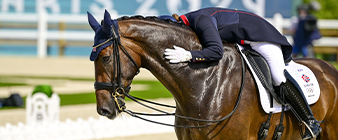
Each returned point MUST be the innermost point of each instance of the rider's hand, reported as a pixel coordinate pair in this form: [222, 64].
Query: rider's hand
[177, 55]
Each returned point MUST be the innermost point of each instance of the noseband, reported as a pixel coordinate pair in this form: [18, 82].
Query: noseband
[117, 89]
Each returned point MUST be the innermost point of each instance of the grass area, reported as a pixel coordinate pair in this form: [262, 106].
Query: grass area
[334, 64]
[155, 90]
[11, 84]
[328, 58]
[45, 77]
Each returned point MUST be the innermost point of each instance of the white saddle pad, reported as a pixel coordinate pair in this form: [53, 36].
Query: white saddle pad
[304, 77]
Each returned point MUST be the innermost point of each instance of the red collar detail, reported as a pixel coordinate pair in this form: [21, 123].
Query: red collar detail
[185, 20]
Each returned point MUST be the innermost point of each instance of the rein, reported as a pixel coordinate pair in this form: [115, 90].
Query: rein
[117, 90]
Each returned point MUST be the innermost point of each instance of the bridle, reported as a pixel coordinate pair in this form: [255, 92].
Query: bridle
[118, 90]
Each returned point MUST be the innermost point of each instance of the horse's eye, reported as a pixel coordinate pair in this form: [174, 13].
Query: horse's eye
[106, 58]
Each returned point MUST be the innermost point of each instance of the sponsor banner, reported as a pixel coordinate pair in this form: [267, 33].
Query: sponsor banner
[264, 8]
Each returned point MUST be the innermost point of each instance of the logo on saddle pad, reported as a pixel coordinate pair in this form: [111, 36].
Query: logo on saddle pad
[306, 78]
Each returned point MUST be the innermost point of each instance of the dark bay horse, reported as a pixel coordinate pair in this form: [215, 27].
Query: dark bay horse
[206, 90]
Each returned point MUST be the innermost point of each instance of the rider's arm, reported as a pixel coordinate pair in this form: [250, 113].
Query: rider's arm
[210, 39]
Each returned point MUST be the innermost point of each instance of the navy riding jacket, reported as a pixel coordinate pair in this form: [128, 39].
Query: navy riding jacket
[212, 25]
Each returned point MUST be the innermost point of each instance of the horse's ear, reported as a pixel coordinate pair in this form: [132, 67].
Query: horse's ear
[92, 21]
[106, 27]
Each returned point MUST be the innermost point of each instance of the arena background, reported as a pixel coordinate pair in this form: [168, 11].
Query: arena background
[64, 61]
[265, 8]
[19, 10]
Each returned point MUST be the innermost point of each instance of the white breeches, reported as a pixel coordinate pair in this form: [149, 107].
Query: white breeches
[274, 57]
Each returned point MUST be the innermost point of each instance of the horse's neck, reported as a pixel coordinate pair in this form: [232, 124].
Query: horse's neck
[194, 85]
[155, 38]
[191, 84]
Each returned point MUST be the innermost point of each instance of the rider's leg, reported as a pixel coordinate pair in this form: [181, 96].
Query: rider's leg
[272, 53]
[294, 97]
[300, 105]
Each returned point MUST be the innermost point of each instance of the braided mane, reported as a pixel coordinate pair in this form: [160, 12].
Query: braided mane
[154, 18]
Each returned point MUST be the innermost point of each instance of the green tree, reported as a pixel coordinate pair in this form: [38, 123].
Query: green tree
[329, 9]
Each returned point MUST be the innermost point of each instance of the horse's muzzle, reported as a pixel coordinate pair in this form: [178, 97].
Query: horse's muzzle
[112, 109]
[106, 111]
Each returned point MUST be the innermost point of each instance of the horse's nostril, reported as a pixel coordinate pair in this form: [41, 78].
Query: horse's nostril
[104, 112]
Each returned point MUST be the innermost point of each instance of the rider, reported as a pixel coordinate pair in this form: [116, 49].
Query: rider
[305, 31]
[212, 25]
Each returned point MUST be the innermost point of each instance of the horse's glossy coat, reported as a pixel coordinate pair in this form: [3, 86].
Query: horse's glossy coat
[208, 90]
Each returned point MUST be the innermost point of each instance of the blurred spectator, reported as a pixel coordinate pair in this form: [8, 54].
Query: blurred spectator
[13, 100]
[304, 29]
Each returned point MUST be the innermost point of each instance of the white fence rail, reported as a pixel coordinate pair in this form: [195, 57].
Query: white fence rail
[42, 35]
[86, 129]
[88, 35]
[50, 35]
[281, 24]
[42, 117]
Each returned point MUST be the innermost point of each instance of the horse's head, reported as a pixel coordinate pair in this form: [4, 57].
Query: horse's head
[112, 79]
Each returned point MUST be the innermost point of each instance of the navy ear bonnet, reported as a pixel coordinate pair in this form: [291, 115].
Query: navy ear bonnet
[103, 33]
[167, 17]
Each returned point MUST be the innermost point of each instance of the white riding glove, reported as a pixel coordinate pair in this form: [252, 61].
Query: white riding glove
[177, 55]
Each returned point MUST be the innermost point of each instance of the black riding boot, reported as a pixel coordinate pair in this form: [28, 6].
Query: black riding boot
[297, 101]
